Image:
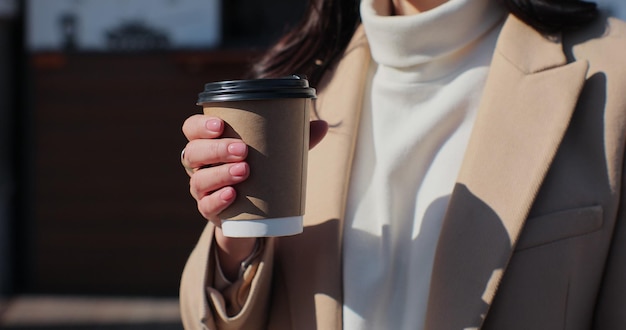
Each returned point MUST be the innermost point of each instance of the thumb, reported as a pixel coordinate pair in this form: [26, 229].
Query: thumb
[319, 128]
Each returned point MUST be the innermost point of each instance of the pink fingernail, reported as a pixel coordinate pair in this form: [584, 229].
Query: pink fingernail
[237, 149]
[214, 125]
[238, 170]
[227, 194]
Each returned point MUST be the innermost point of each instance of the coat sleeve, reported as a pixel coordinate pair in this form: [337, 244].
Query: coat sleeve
[242, 305]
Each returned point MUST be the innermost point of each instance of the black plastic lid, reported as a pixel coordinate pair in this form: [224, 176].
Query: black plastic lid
[257, 89]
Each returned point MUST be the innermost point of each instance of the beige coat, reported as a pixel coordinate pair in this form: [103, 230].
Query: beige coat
[535, 233]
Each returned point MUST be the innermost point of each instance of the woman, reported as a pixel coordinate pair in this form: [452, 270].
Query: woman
[471, 177]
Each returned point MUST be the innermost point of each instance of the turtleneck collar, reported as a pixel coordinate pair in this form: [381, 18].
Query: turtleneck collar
[412, 40]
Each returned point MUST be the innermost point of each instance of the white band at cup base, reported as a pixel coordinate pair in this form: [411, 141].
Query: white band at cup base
[262, 227]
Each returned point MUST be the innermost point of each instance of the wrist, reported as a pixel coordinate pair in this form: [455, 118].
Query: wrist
[235, 254]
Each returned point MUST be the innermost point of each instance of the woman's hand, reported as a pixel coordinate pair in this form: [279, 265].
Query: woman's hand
[214, 165]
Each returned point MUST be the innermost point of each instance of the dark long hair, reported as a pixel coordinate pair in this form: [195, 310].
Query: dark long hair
[311, 46]
[327, 26]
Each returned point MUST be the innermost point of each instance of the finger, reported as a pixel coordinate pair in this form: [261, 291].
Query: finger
[319, 128]
[207, 180]
[202, 127]
[212, 205]
[203, 152]
[190, 171]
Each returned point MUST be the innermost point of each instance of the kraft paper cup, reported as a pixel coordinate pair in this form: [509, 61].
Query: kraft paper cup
[272, 117]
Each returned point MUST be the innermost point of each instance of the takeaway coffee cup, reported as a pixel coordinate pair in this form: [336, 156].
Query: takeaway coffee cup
[272, 117]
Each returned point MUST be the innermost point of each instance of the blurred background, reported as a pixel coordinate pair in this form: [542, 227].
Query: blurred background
[95, 217]
[96, 221]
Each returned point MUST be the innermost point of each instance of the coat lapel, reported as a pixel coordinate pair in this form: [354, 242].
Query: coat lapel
[314, 282]
[516, 135]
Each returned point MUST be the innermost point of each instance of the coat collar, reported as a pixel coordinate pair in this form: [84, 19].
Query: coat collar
[515, 138]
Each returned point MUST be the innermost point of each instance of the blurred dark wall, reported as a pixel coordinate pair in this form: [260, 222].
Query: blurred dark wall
[8, 89]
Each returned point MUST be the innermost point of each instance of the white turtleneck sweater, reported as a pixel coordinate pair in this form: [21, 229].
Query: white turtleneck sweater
[425, 85]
